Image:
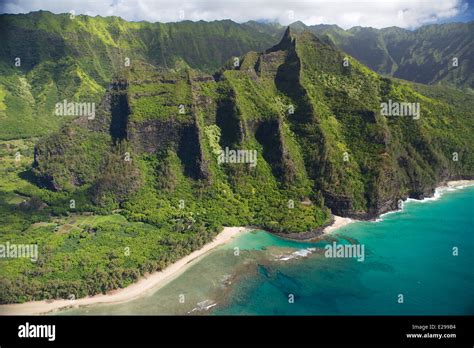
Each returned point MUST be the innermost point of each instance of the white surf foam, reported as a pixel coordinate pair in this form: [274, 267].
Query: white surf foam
[203, 306]
[296, 254]
[439, 192]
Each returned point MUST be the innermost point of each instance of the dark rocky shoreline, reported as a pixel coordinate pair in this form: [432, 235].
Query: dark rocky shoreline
[313, 234]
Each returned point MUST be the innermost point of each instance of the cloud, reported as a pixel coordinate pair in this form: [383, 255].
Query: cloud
[345, 13]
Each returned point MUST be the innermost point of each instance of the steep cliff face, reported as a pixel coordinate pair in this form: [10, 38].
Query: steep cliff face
[120, 110]
[310, 114]
[362, 161]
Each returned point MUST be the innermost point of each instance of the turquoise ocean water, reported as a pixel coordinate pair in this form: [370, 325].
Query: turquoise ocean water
[409, 252]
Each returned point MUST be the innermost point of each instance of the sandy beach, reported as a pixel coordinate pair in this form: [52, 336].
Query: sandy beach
[339, 222]
[459, 183]
[141, 288]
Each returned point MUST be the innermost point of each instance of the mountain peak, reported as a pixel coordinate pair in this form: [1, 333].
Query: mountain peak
[286, 42]
[298, 26]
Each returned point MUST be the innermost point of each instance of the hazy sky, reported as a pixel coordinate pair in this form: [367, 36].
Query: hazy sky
[345, 13]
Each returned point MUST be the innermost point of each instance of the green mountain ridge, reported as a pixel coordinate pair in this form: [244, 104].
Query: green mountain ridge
[336, 116]
[423, 55]
[61, 57]
[91, 50]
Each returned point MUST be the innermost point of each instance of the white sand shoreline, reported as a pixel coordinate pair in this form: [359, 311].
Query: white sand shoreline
[458, 184]
[339, 222]
[144, 286]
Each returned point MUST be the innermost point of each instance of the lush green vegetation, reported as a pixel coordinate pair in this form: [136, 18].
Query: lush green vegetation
[140, 186]
[79, 253]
